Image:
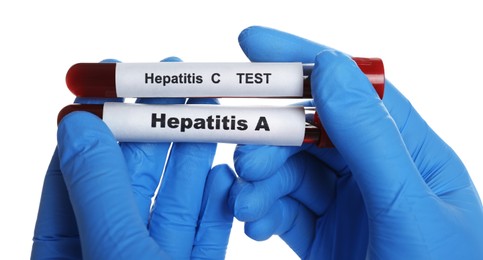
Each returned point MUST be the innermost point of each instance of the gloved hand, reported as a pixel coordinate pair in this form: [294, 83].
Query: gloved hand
[97, 194]
[390, 189]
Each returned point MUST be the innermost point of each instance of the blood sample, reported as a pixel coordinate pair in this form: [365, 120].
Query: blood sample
[263, 125]
[183, 79]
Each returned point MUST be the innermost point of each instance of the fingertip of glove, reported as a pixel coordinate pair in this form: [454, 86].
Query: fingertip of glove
[222, 168]
[336, 78]
[264, 44]
[259, 230]
[110, 61]
[245, 39]
[258, 31]
[172, 59]
[271, 223]
[221, 176]
[247, 32]
[261, 43]
[81, 128]
[239, 201]
[326, 56]
[329, 60]
[217, 188]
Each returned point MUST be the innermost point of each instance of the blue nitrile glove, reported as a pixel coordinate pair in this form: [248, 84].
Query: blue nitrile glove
[96, 199]
[390, 189]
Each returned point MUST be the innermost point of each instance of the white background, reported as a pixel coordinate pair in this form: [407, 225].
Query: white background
[431, 49]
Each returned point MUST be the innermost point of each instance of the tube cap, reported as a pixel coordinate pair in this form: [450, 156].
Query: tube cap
[374, 70]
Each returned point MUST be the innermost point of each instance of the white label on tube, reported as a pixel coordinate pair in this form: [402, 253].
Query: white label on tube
[268, 125]
[183, 79]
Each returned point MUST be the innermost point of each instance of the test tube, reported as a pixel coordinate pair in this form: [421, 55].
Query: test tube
[261, 125]
[198, 79]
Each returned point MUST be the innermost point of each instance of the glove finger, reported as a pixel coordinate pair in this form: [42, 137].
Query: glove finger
[215, 219]
[289, 219]
[146, 161]
[99, 189]
[177, 206]
[364, 133]
[172, 59]
[56, 235]
[175, 214]
[302, 176]
[262, 44]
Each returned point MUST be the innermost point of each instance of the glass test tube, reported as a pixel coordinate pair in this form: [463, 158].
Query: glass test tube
[261, 125]
[185, 79]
